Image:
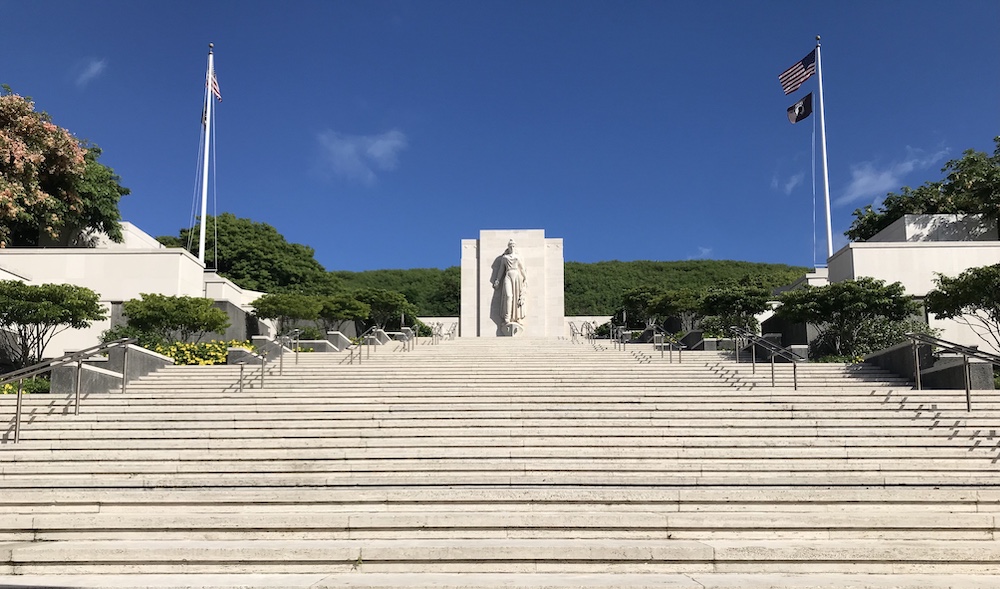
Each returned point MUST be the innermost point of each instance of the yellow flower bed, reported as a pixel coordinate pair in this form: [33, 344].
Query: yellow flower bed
[201, 354]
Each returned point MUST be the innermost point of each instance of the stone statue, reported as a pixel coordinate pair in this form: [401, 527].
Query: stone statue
[512, 279]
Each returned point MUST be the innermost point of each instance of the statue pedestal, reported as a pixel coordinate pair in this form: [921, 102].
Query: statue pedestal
[544, 309]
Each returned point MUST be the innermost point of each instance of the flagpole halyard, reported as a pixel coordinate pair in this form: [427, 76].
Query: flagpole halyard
[822, 144]
[204, 170]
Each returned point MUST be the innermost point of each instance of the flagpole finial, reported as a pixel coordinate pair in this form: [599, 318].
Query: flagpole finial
[211, 45]
[817, 39]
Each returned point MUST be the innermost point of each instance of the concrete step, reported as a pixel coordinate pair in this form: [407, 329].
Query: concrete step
[508, 555]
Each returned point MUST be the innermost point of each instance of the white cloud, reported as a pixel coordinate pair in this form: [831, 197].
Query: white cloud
[789, 184]
[704, 253]
[870, 182]
[794, 181]
[358, 157]
[91, 70]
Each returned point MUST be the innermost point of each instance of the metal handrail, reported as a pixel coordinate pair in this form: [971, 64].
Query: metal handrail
[776, 350]
[47, 365]
[966, 352]
[363, 340]
[665, 339]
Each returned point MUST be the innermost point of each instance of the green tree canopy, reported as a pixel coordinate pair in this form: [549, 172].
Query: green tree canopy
[848, 314]
[284, 308]
[338, 309]
[30, 315]
[973, 298]
[683, 304]
[386, 306]
[173, 318]
[50, 184]
[971, 185]
[735, 305]
[256, 257]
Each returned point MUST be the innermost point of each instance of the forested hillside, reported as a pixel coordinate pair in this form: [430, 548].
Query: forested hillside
[591, 289]
[254, 255]
[596, 289]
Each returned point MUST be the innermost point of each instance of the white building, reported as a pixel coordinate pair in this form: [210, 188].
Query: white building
[119, 272]
[914, 250]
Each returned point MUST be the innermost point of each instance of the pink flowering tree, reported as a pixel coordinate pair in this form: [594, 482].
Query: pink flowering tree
[49, 184]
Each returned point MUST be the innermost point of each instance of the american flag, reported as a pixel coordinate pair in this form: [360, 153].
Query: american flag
[213, 83]
[793, 77]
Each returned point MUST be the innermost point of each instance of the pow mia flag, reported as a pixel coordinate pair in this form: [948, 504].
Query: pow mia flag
[801, 109]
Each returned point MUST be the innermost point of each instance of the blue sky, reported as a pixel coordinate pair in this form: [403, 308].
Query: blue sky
[381, 133]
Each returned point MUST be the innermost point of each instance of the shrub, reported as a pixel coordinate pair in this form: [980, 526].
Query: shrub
[203, 354]
[38, 384]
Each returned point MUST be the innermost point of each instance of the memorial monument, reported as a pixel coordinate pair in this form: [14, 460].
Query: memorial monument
[512, 285]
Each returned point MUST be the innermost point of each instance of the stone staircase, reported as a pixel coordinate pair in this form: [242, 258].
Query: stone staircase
[505, 463]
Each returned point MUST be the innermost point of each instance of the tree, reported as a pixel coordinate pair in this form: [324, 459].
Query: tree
[256, 257]
[635, 306]
[682, 304]
[287, 307]
[386, 306]
[50, 184]
[971, 186]
[973, 298]
[735, 305]
[173, 318]
[849, 313]
[31, 315]
[341, 308]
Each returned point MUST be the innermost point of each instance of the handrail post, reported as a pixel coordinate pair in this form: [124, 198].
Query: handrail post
[281, 356]
[772, 371]
[753, 358]
[263, 367]
[968, 385]
[916, 363]
[125, 369]
[17, 412]
[795, 375]
[79, 379]
[241, 376]
[297, 332]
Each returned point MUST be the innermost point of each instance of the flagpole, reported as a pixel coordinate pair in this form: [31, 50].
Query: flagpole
[822, 146]
[204, 170]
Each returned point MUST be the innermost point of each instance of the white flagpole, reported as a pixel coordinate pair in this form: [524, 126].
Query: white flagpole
[822, 146]
[204, 172]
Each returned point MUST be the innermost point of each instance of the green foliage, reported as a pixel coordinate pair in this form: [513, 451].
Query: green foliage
[851, 315]
[683, 304]
[971, 185]
[338, 309]
[973, 297]
[145, 339]
[596, 289]
[38, 384]
[30, 315]
[168, 318]
[386, 306]
[735, 305]
[51, 184]
[432, 291]
[256, 257]
[201, 353]
[311, 332]
[285, 308]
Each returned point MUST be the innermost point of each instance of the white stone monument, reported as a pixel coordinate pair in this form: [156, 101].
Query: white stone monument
[512, 285]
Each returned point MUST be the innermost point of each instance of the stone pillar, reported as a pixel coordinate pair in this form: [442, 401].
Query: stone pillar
[543, 295]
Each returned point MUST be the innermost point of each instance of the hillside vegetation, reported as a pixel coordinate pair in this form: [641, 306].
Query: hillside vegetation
[591, 289]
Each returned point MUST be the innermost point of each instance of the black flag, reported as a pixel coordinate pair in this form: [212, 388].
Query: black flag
[801, 109]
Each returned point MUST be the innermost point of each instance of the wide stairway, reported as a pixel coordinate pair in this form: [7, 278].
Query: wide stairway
[502, 463]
